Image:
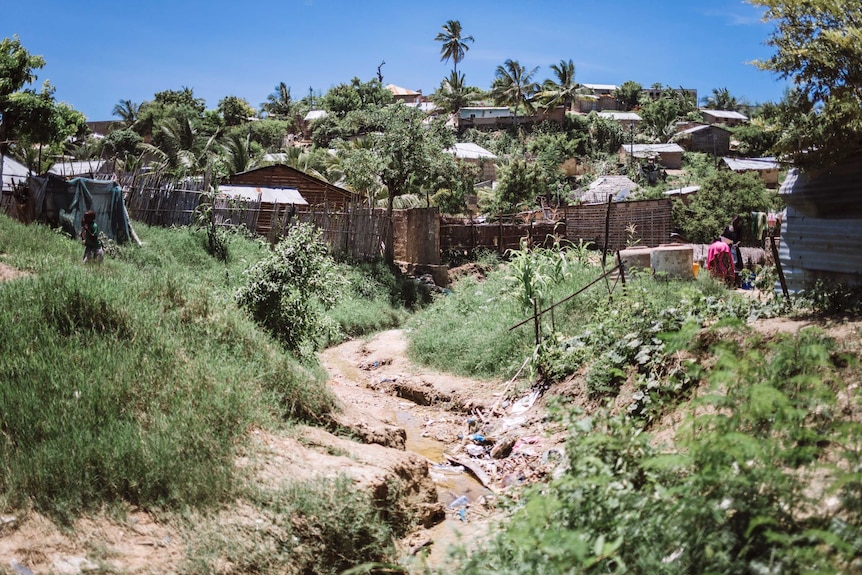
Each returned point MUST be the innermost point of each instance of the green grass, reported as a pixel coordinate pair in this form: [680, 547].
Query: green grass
[323, 526]
[133, 381]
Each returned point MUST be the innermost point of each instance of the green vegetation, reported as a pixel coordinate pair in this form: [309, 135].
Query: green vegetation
[468, 332]
[133, 381]
[323, 526]
[735, 495]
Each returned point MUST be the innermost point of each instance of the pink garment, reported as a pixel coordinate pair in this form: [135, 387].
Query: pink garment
[715, 248]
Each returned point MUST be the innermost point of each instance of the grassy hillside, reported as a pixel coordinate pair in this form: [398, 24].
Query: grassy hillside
[134, 380]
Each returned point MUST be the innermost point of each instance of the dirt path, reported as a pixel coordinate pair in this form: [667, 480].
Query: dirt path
[477, 443]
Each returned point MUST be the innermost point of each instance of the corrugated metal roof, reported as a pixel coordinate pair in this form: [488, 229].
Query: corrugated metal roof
[469, 150]
[399, 91]
[700, 128]
[268, 195]
[599, 189]
[682, 191]
[13, 172]
[757, 164]
[726, 114]
[602, 87]
[640, 150]
[621, 116]
[76, 168]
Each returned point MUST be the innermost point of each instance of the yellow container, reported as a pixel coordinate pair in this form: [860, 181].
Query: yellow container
[695, 268]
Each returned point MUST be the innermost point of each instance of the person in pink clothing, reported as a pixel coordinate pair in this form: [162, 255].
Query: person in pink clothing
[719, 262]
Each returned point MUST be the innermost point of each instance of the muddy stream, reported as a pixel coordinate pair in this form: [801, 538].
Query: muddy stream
[365, 375]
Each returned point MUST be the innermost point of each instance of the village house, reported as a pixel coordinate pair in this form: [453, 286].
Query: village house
[704, 138]
[628, 120]
[314, 191]
[602, 98]
[404, 95]
[727, 118]
[470, 153]
[766, 168]
[667, 155]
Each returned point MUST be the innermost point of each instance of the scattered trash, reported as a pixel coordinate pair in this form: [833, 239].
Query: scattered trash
[460, 501]
[462, 514]
[475, 450]
[503, 448]
[448, 468]
[478, 438]
[524, 403]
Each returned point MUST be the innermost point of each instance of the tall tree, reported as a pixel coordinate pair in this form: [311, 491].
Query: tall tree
[453, 93]
[235, 110]
[564, 91]
[279, 103]
[17, 69]
[628, 94]
[454, 43]
[407, 151]
[128, 112]
[722, 99]
[514, 86]
[819, 47]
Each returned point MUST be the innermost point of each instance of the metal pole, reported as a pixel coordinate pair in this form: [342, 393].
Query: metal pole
[632, 148]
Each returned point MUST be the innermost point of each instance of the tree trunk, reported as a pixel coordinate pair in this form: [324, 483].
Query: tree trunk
[389, 251]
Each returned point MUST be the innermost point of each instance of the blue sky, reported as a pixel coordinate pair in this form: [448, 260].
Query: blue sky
[100, 52]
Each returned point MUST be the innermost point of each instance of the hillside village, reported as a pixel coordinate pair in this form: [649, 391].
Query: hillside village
[542, 326]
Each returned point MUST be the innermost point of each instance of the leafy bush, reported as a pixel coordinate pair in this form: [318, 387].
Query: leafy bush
[288, 291]
[738, 496]
[721, 197]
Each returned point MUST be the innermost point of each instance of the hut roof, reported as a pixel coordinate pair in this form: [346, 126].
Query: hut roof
[469, 151]
[268, 195]
[13, 172]
[724, 114]
[598, 191]
[751, 164]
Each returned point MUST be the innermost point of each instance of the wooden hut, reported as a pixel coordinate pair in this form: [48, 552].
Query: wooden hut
[315, 191]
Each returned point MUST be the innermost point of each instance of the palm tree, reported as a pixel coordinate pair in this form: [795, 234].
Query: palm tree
[453, 93]
[238, 154]
[128, 112]
[180, 147]
[514, 86]
[565, 90]
[279, 104]
[721, 99]
[454, 45]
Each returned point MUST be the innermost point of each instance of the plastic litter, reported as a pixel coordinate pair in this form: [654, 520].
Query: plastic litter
[461, 501]
[475, 450]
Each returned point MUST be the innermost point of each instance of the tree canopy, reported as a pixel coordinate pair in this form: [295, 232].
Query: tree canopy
[818, 46]
[454, 43]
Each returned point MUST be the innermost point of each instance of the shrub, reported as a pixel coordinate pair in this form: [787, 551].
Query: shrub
[288, 291]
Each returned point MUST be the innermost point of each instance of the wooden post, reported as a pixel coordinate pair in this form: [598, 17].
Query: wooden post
[607, 231]
[536, 321]
[778, 266]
